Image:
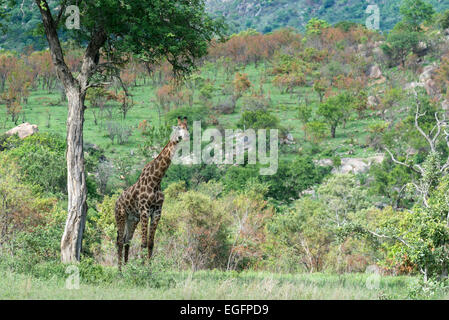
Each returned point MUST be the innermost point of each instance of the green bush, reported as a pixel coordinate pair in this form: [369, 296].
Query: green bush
[191, 175]
[444, 20]
[236, 177]
[41, 158]
[294, 177]
[258, 119]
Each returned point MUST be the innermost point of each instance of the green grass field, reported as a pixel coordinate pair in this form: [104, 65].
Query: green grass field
[216, 285]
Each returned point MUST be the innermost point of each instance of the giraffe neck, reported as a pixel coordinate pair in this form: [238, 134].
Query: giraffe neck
[163, 160]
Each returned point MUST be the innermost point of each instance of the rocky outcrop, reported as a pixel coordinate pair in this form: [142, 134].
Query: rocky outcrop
[427, 73]
[426, 82]
[375, 72]
[413, 85]
[431, 88]
[288, 139]
[23, 130]
[429, 84]
[445, 105]
[352, 165]
[373, 101]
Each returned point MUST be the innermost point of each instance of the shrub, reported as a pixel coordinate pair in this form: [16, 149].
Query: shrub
[258, 119]
[249, 213]
[444, 20]
[198, 222]
[135, 274]
[155, 137]
[303, 235]
[316, 131]
[294, 177]
[191, 175]
[41, 158]
[118, 131]
[236, 177]
[226, 107]
[256, 102]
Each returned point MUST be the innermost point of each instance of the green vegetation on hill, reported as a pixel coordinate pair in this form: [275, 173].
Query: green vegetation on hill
[266, 15]
[262, 15]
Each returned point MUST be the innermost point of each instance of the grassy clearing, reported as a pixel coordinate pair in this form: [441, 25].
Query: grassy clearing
[45, 110]
[213, 285]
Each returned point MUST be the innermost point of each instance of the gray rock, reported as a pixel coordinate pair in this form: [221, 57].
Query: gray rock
[23, 130]
[413, 85]
[352, 165]
[445, 105]
[374, 72]
[431, 88]
[373, 101]
[427, 73]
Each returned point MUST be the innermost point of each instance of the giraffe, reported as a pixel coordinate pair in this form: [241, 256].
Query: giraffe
[143, 200]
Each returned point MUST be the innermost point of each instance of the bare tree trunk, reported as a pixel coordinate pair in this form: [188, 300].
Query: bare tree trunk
[76, 179]
[75, 90]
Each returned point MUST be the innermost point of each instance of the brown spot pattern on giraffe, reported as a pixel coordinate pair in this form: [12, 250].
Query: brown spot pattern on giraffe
[143, 201]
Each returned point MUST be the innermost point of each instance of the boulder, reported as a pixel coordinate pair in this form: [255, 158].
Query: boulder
[377, 44]
[378, 53]
[373, 101]
[445, 105]
[427, 73]
[431, 88]
[288, 139]
[352, 165]
[225, 107]
[325, 162]
[23, 130]
[413, 85]
[374, 72]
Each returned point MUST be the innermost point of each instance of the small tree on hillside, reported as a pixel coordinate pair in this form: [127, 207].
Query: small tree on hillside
[399, 44]
[241, 85]
[320, 86]
[335, 110]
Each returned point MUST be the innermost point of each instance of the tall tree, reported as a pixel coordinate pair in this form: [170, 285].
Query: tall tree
[178, 30]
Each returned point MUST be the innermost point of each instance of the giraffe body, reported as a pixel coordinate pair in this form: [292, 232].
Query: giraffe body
[142, 202]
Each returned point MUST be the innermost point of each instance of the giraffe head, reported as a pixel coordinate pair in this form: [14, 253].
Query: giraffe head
[180, 132]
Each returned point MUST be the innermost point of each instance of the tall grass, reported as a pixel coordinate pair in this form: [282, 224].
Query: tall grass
[48, 281]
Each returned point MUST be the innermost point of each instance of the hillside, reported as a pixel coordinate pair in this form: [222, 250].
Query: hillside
[262, 15]
[268, 15]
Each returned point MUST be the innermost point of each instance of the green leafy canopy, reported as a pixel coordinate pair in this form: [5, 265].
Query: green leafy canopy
[178, 30]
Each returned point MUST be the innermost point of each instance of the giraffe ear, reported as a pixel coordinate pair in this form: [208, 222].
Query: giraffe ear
[179, 121]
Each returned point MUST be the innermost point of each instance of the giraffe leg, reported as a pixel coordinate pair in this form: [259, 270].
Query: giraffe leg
[155, 217]
[131, 225]
[120, 219]
[144, 220]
